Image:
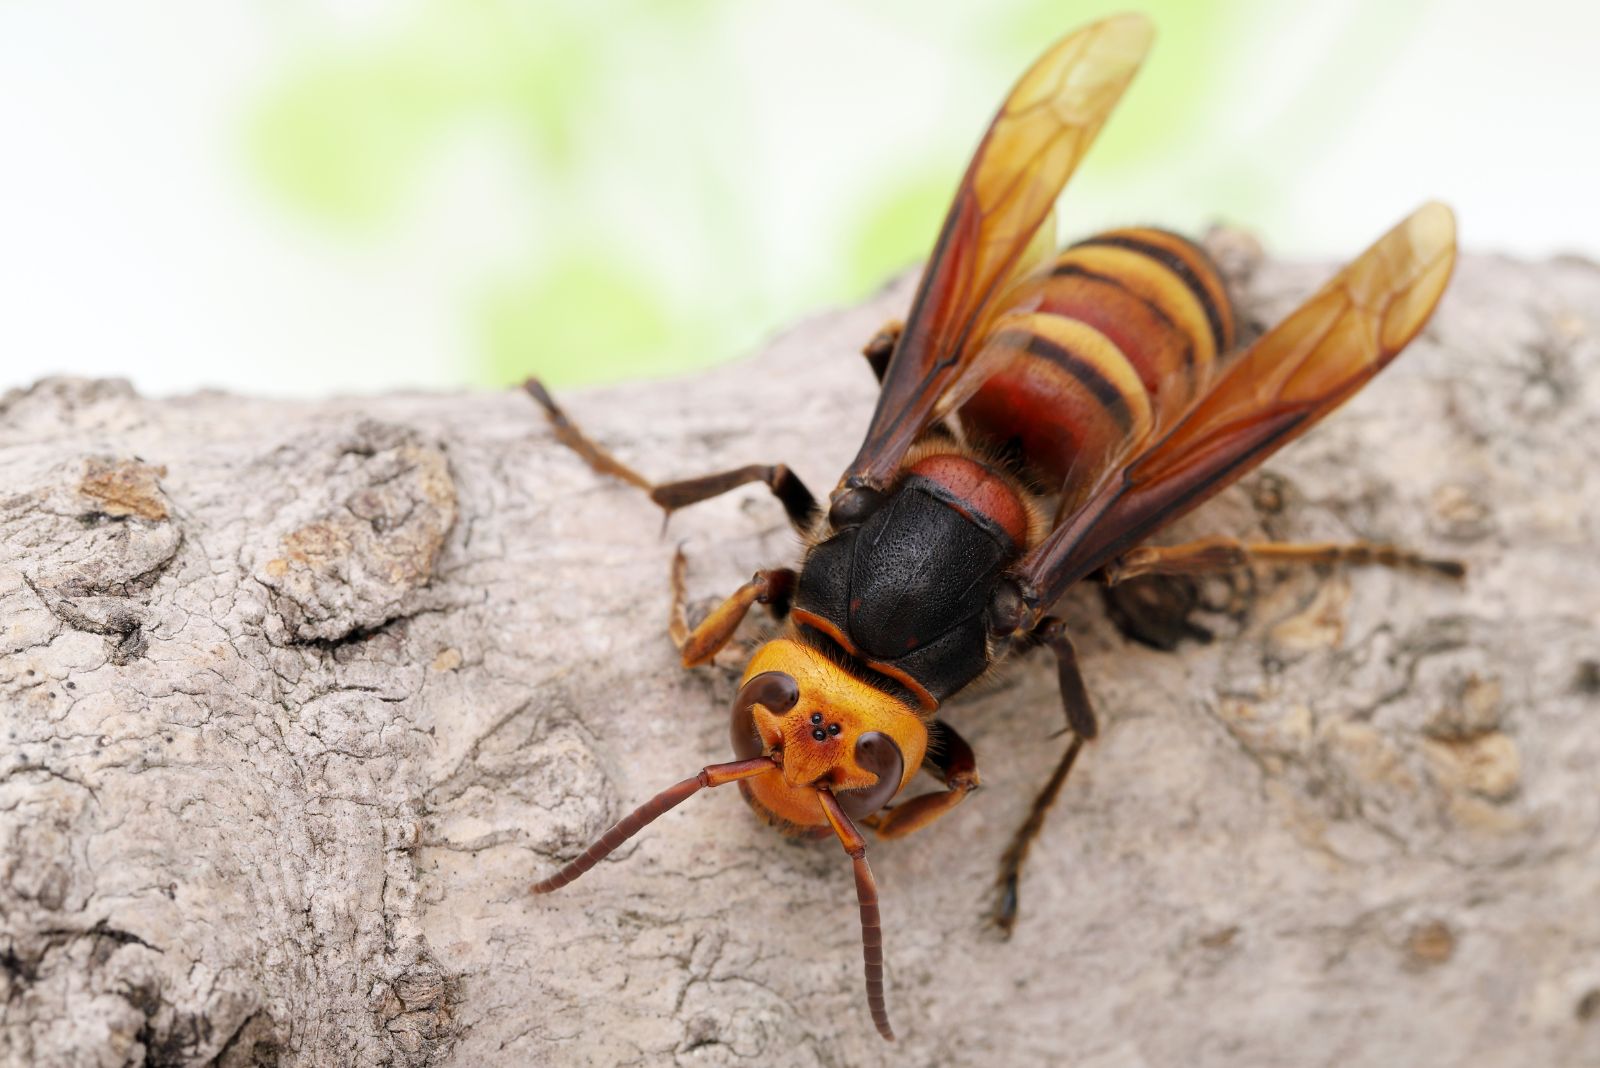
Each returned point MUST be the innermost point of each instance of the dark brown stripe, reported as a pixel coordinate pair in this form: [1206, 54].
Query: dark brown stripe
[1103, 389]
[1178, 266]
[824, 636]
[1072, 270]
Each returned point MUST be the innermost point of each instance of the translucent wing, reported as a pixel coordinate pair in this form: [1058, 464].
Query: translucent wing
[1031, 149]
[1291, 377]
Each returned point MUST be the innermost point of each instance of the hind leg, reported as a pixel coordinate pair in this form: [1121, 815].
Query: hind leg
[1150, 591]
[1154, 610]
[881, 347]
[1223, 554]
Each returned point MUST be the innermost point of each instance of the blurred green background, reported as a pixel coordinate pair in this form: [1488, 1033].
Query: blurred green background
[297, 198]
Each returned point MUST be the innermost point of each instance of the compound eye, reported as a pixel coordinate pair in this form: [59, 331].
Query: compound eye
[875, 752]
[775, 691]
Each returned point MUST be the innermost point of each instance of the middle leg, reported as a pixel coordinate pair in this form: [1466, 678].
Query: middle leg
[1084, 727]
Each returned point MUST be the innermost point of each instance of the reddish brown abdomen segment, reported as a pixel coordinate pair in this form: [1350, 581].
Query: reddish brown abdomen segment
[978, 491]
[1120, 334]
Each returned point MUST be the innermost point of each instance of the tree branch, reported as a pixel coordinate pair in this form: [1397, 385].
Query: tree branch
[300, 697]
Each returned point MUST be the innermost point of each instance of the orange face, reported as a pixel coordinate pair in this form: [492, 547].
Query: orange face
[818, 736]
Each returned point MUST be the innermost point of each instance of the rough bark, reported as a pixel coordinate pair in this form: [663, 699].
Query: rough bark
[299, 697]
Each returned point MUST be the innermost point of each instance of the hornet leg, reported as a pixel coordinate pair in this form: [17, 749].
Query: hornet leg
[1222, 554]
[950, 758]
[1154, 610]
[774, 588]
[1081, 721]
[797, 500]
[881, 347]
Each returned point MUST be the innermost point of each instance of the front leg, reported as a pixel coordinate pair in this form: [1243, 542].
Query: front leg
[785, 485]
[773, 588]
[952, 760]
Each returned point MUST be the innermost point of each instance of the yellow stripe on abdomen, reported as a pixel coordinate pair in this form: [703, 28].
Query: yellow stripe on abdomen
[1122, 333]
[1191, 264]
[1068, 397]
[1159, 287]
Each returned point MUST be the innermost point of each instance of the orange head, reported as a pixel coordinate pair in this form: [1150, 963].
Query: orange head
[818, 748]
[825, 728]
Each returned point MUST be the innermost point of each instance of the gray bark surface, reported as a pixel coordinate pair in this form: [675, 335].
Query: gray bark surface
[296, 699]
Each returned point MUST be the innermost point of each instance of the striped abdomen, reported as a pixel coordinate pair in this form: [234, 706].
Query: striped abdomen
[1111, 341]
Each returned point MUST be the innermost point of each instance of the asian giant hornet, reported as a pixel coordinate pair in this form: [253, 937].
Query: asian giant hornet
[1041, 414]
